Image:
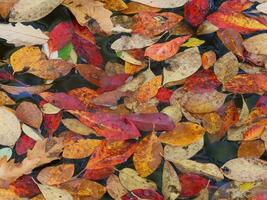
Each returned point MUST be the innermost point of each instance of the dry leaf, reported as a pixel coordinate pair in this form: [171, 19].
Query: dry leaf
[81, 149]
[114, 5]
[166, 4]
[184, 134]
[9, 126]
[7, 194]
[43, 152]
[5, 7]
[134, 7]
[147, 155]
[53, 193]
[32, 10]
[29, 114]
[77, 127]
[55, 175]
[22, 35]
[5, 99]
[253, 149]
[245, 169]
[212, 122]
[15, 90]
[174, 112]
[83, 10]
[131, 181]
[206, 28]
[173, 153]
[256, 44]
[171, 186]
[182, 65]
[226, 67]
[115, 188]
[206, 169]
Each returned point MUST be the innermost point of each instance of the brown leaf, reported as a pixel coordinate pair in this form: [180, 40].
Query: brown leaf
[5, 7]
[43, 152]
[256, 44]
[5, 100]
[15, 90]
[29, 114]
[251, 149]
[147, 155]
[115, 188]
[55, 175]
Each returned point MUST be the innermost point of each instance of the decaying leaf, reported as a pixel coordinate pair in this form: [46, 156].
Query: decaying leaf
[173, 153]
[252, 169]
[56, 175]
[84, 10]
[171, 186]
[22, 35]
[115, 188]
[182, 65]
[184, 134]
[28, 10]
[10, 127]
[130, 180]
[189, 166]
[147, 155]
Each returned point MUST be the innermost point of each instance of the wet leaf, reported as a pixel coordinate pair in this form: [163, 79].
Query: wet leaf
[6, 152]
[208, 59]
[147, 155]
[174, 112]
[56, 175]
[173, 153]
[256, 44]
[7, 194]
[245, 169]
[23, 144]
[184, 134]
[15, 90]
[143, 194]
[235, 5]
[252, 149]
[115, 188]
[131, 181]
[109, 154]
[226, 67]
[5, 7]
[159, 4]
[135, 7]
[206, 28]
[166, 50]
[193, 42]
[77, 127]
[81, 149]
[53, 193]
[171, 186]
[182, 65]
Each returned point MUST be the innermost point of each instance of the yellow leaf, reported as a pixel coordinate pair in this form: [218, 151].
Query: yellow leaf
[185, 133]
[134, 7]
[115, 5]
[147, 156]
[193, 42]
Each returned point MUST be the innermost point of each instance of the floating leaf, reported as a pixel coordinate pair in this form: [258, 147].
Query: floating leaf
[77, 127]
[5, 7]
[171, 186]
[56, 175]
[173, 153]
[159, 4]
[206, 28]
[109, 154]
[131, 181]
[208, 59]
[256, 44]
[142, 193]
[27, 89]
[81, 149]
[226, 67]
[128, 58]
[245, 169]
[5, 152]
[53, 193]
[27, 10]
[166, 50]
[7, 194]
[252, 149]
[193, 42]
[182, 65]
[22, 35]
[147, 155]
[23, 144]
[235, 5]
[184, 134]
[10, 126]
[134, 7]
[115, 188]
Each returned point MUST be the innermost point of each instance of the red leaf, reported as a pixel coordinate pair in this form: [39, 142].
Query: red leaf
[235, 5]
[108, 154]
[98, 174]
[60, 35]
[63, 101]
[262, 102]
[83, 32]
[51, 122]
[236, 21]
[152, 121]
[247, 83]
[5, 76]
[142, 194]
[87, 50]
[25, 187]
[202, 81]
[111, 126]
[109, 83]
[164, 95]
[195, 11]
[192, 184]
[23, 144]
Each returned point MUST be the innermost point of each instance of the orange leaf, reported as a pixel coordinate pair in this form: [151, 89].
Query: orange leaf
[236, 21]
[135, 7]
[151, 24]
[185, 133]
[208, 59]
[164, 51]
[5, 7]
[56, 175]
[109, 154]
[149, 89]
[253, 132]
[251, 149]
[235, 5]
[147, 156]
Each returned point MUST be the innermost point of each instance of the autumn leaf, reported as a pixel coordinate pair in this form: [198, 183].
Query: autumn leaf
[158, 4]
[114, 187]
[147, 155]
[5, 7]
[23, 144]
[109, 154]
[17, 90]
[135, 7]
[256, 44]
